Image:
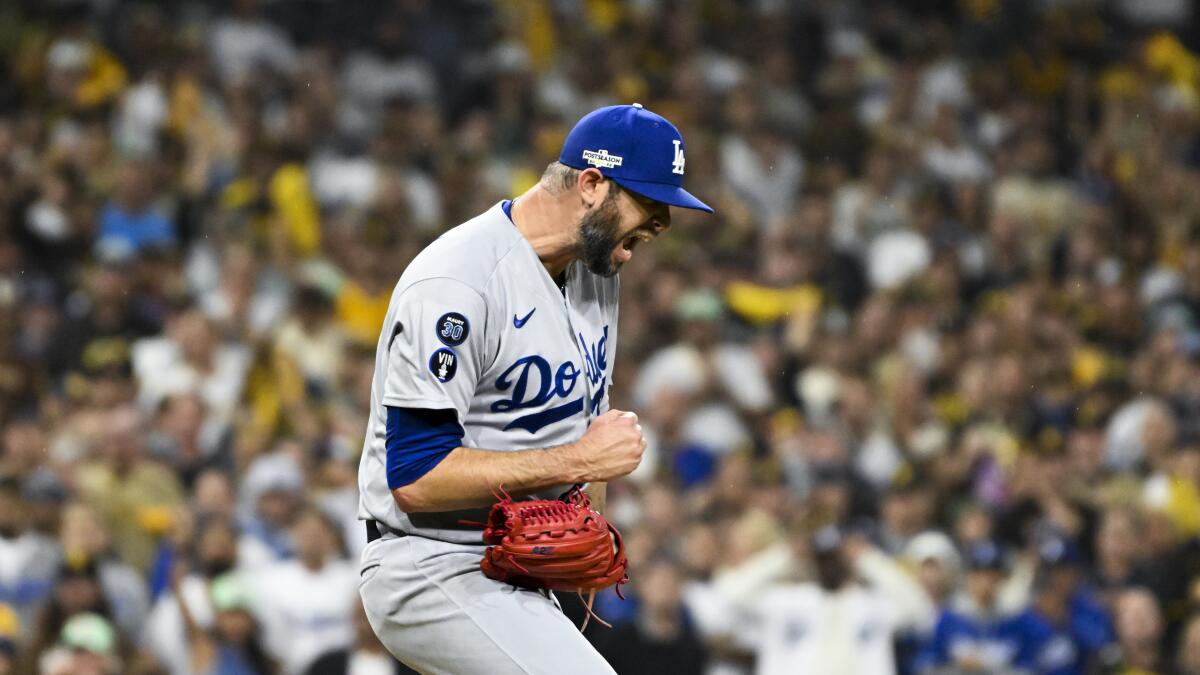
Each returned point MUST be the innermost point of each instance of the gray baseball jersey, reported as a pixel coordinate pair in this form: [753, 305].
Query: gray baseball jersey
[477, 325]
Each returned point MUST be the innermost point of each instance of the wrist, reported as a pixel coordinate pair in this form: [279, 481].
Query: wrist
[573, 463]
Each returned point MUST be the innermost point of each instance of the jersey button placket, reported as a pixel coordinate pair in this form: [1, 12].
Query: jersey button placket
[582, 363]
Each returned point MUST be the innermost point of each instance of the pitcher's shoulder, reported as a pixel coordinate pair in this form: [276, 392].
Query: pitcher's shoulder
[469, 252]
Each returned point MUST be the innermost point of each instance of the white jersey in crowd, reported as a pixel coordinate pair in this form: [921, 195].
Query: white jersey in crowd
[477, 325]
[804, 628]
[304, 613]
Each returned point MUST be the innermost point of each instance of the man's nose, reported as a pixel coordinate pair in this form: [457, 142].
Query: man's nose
[661, 223]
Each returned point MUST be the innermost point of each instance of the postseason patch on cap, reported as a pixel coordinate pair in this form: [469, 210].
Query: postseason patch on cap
[602, 159]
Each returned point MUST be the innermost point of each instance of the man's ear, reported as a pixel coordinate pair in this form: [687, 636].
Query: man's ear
[590, 190]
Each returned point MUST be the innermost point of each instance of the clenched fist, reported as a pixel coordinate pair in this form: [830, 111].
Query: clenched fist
[612, 447]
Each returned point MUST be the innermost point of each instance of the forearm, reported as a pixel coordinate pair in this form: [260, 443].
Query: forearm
[471, 477]
[911, 605]
[744, 585]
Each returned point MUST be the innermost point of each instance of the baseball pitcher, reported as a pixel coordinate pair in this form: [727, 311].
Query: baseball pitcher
[492, 373]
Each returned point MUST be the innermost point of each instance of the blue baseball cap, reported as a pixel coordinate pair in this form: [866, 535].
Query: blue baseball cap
[640, 150]
[985, 555]
[1059, 552]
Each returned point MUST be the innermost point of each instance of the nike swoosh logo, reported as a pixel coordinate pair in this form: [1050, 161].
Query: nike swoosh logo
[519, 323]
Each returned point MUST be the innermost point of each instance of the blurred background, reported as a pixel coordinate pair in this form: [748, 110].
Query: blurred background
[949, 303]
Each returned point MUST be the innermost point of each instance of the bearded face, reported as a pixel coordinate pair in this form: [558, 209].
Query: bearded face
[599, 234]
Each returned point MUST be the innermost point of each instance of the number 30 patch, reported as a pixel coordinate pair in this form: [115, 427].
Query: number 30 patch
[453, 329]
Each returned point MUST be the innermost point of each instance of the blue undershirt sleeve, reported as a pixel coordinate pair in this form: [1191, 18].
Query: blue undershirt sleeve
[417, 439]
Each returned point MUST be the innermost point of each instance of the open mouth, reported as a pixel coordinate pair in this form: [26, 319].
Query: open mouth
[630, 242]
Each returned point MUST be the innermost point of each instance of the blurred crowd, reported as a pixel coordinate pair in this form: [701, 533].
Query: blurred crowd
[923, 396]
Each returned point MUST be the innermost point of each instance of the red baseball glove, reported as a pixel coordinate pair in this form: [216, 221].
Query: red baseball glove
[558, 545]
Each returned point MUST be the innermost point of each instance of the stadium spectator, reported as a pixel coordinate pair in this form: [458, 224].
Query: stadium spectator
[27, 561]
[938, 565]
[834, 622]
[1065, 631]
[365, 655]
[1139, 627]
[233, 643]
[78, 599]
[213, 554]
[132, 493]
[974, 633]
[661, 638]
[87, 645]
[84, 537]
[130, 222]
[270, 494]
[299, 627]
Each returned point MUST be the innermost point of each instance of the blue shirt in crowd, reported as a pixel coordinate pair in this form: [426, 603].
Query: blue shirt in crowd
[136, 230]
[1025, 641]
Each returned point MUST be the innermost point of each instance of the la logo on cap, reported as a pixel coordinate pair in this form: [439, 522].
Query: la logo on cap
[677, 164]
[602, 159]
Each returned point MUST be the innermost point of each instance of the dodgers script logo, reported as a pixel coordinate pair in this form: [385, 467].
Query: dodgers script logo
[532, 383]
